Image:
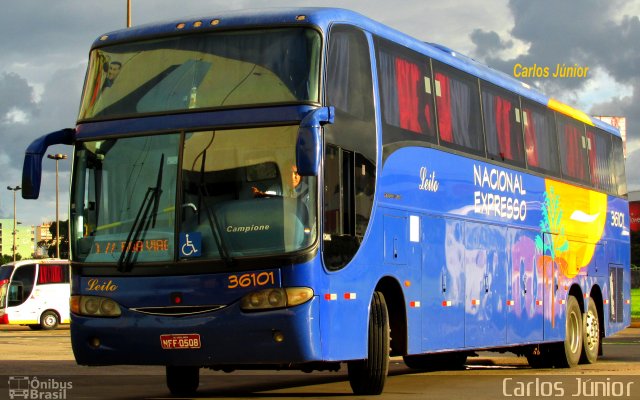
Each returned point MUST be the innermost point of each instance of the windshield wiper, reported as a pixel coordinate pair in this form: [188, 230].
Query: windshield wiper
[211, 216]
[141, 223]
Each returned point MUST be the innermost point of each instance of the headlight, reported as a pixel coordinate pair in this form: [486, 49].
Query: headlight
[275, 298]
[94, 306]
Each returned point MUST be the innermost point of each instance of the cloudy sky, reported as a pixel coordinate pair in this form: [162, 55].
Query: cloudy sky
[44, 47]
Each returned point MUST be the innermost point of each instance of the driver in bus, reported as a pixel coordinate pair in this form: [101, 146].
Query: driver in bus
[299, 189]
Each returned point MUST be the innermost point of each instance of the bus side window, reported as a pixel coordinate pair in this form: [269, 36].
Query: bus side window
[364, 181]
[350, 146]
[406, 95]
[16, 294]
[49, 273]
[600, 160]
[458, 108]
[540, 139]
[620, 177]
[574, 145]
[502, 125]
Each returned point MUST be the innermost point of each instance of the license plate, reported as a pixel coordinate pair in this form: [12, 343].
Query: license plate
[185, 341]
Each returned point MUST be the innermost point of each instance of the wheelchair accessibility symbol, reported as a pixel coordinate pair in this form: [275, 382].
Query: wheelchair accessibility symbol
[190, 244]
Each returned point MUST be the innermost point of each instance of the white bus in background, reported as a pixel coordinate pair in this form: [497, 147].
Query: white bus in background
[35, 293]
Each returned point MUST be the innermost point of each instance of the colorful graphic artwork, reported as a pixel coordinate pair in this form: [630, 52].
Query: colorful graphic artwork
[576, 218]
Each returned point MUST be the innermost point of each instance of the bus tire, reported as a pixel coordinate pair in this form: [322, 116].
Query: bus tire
[590, 335]
[437, 362]
[367, 377]
[49, 320]
[183, 381]
[571, 349]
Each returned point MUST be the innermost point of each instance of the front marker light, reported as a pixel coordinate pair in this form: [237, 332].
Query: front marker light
[275, 298]
[94, 306]
[298, 295]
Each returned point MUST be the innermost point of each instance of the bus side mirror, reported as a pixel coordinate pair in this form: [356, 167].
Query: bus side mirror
[309, 144]
[32, 167]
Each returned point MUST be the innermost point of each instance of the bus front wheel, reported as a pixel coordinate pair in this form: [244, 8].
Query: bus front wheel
[49, 320]
[367, 377]
[183, 381]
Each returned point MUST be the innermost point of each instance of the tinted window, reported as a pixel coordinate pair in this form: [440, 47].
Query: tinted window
[21, 284]
[350, 91]
[540, 139]
[406, 94]
[206, 70]
[502, 125]
[350, 146]
[49, 273]
[573, 150]
[458, 107]
[601, 172]
[618, 160]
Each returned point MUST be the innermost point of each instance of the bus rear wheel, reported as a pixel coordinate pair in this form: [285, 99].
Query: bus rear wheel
[571, 349]
[367, 377]
[183, 381]
[590, 335]
[49, 320]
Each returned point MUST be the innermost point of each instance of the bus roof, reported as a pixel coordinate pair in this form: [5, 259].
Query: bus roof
[323, 18]
[38, 261]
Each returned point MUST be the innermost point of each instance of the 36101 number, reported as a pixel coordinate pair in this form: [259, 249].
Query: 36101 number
[251, 279]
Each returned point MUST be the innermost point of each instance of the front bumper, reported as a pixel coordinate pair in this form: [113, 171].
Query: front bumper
[227, 337]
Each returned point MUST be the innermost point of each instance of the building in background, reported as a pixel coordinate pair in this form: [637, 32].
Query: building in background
[25, 239]
[42, 233]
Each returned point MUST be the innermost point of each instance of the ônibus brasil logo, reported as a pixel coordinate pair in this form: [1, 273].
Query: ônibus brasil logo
[24, 387]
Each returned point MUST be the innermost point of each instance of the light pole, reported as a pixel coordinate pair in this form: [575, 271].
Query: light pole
[57, 157]
[128, 13]
[14, 189]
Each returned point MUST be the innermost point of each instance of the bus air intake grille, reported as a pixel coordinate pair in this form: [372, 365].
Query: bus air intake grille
[178, 311]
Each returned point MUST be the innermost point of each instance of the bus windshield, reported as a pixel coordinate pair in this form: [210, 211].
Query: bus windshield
[230, 193]
[211, 70]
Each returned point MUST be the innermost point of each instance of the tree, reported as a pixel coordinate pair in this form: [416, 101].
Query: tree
[7, 258]
[64, 240]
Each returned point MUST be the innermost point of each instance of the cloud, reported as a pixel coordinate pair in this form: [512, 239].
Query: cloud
[599, 34]
[42, 64]
[488, 44]
[629, 107]
[633, 172]
[17, 100]
[25, 120]
[566, 32]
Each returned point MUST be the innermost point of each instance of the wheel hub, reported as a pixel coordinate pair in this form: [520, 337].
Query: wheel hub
[591, 330]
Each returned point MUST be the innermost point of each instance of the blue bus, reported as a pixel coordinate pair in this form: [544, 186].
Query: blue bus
[306, 188]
